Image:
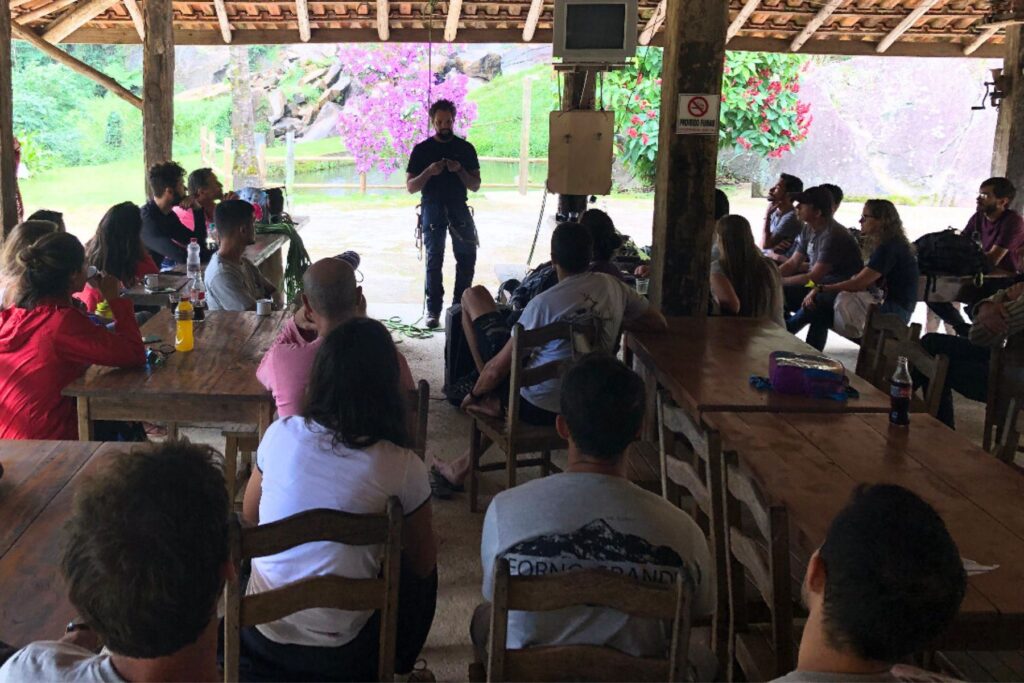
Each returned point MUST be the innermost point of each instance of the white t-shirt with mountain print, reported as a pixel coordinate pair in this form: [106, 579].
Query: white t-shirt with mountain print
[583, 521]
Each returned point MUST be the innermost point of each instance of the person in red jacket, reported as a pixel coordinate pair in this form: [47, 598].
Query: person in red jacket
[117, 249]
[46, 343]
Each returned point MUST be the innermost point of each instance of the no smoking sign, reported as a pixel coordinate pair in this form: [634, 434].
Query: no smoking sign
[698, 114]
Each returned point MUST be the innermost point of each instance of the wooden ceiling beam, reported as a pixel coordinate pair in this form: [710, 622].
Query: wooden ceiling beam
[222, 20]
[653, 24]
[302, 12]
[383, 20]
[976, 44]
[136, 14]
[827, 10]
[76, 18]
[58, 55]
[45, 10]
[532, 17]
[451, 22]
[922, 8]
[748, 8]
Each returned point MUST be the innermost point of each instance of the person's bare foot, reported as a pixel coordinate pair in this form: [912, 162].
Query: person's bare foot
[488, 406]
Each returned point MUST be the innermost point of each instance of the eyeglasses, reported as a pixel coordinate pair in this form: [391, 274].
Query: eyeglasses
[984, 195]
[867, 217]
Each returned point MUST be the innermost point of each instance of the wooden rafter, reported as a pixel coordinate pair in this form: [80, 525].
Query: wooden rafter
[532, 17]
[58, 55]
[905, 25]
[136, 14]
[19, 3]
[741, 19]
[222, 20]
[985, 36]
[302, 12]
[451, 23]
[814, 24]
[45, 10]
[654, 23]
[76, 18]
[383, 19]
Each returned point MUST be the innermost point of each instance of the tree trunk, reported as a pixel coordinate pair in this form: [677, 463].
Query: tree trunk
[245, 168]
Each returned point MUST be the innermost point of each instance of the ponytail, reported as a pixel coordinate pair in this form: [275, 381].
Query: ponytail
[47, 266]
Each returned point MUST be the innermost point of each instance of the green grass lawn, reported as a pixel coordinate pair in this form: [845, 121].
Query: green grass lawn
[500, 113]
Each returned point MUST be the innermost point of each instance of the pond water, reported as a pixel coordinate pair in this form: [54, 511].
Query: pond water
[490, 172]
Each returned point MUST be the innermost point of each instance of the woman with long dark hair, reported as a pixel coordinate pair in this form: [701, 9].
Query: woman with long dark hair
[743, 281]
[46, 343]
[345, 451]
[891, 266]
[116, 249]
[606, 240]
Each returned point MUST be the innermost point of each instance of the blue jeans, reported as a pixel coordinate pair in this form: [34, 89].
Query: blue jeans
[437, 220]
[820, 318]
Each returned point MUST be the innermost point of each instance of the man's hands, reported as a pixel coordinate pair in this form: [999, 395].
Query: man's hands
[452, 165]
[992, 316]
[109, 286]
[436, 168]
[809, 303]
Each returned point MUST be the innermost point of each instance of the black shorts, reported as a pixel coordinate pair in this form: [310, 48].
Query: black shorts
[493, 331]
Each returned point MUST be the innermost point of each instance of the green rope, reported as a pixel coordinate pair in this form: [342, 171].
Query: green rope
[298, 259]
[408, 330]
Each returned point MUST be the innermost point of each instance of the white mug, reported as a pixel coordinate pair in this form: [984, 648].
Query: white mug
[153, 281]
[263, 306]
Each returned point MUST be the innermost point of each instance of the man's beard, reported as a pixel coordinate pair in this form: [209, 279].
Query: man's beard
[445, 134]
[178, 198]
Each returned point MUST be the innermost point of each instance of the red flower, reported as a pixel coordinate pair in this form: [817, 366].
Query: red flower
[765, 127]
[658, 81]
[632, 132]
[645, 138]
[786, 132]
[723, 98]
[794, 87]
[743, 142]
[636, 120]
[775, 86]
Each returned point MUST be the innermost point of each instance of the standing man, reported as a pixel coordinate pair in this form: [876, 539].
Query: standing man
[443, 167]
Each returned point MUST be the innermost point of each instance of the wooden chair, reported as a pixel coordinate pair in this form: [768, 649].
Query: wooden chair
[935, 368]
[763, 651]
[1005, 380]
[333, 592]
[238, 443]
[509, 434]
[594, 588]
[419, 404]
[1008, 441]
[881, 332]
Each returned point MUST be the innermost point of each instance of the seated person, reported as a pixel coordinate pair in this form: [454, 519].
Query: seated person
[46, 343]
[162, 233]
[781, 224]
[606, 240]
[233, 283]
[995, 319]
[346, 451]
[23, 235]
[154, 610]
[330, 298]
[204, 191]
[743, 281]
[579, 296]
[55, 217]
[116, 249]
[837, 196]
[885, 584]
[892, 266]
[1000, 230]
[592, 516]
[721, 209]
[833, 256]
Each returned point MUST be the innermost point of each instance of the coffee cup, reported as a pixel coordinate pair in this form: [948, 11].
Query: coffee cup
[152, 281]
[263, 306]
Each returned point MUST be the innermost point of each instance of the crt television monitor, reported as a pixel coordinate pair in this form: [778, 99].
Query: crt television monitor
[595, 31]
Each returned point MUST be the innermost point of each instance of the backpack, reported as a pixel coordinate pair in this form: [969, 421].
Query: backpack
[949, 253]
[540, 279]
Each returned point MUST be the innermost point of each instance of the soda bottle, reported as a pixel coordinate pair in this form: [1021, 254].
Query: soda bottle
[197, 297]
[900, 390]
[183, 337]
[192, 267]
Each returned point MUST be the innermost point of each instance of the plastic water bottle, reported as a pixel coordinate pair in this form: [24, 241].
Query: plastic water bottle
[900, 391]
[184, 339]
[193, 268]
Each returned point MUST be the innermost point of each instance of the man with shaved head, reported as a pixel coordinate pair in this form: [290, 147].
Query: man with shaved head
[330, 297]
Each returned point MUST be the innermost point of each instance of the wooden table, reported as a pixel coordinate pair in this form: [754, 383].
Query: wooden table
[36, 491]
[812, 465]
[216, 382]
[707, 362]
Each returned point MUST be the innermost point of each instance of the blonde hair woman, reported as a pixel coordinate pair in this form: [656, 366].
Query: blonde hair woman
[743, 281]
[20, 237]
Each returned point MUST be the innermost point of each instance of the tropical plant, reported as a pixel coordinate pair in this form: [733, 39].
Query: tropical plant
[392, 88]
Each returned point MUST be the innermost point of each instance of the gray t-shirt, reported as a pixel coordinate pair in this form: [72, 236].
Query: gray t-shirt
[786, 226]
[578, 298]
[56, 661]
[235, 286]
[825, 677]
[834, 245]
[583, 520]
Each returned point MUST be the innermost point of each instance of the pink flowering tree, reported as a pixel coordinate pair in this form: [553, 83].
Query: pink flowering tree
[393, 89]
[761, 110]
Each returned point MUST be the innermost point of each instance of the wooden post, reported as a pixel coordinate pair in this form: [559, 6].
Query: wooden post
[684, 198]
[158, 82]
[289, 161]
[229, 161]
[1008, 156]
[524, 137]
[362, 183]
[8, 170]
[202, 145]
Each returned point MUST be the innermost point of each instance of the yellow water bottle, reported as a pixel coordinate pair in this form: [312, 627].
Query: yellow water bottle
[183, 337]
[103, 310]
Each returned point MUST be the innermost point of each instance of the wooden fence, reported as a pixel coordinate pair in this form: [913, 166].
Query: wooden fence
[219, 155]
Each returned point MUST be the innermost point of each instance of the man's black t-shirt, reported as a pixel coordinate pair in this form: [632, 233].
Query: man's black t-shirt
[445, 188]
[165, 237]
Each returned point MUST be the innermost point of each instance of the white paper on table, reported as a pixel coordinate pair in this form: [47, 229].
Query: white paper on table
[973, 568]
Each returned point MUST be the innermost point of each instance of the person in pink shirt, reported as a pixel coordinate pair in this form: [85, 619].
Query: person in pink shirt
[330, 297]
